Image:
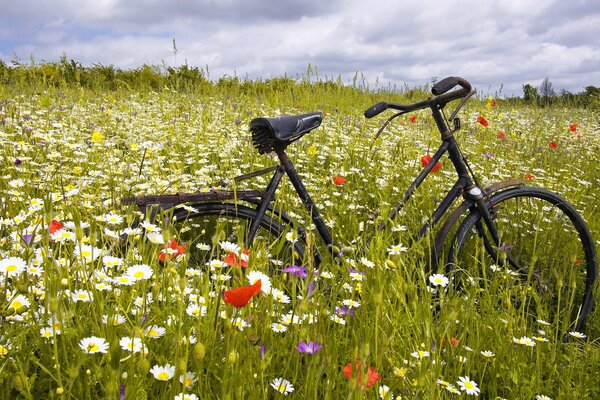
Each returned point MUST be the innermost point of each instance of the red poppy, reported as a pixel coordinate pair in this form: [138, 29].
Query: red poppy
[54, 226]
[502, 135]
[372, 375]
[529, 176]
[170, 250]
[233, 260]
[412, 119]
[240, 296]
[338, 180]
[573, 127]
[493, 103]
[426, 159]
[482, 120]
[553, 144]
[454, 342]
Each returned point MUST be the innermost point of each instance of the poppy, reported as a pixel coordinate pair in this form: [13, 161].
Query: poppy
[529, 176]
[55, 226]
[482, 121]
[172, 249]
[501, 135]
[573, 127]
[553, 144]
[412, 119]
[240, 296]
[493, 103]
[233, 260]
[372, 375]
[338, 180]
[426, 159]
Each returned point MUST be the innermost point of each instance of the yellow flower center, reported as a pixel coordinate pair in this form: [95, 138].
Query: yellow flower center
[163, 376]
[469, 385]
[11, 268]
[92, 347]
[138, 274]
[16, 304]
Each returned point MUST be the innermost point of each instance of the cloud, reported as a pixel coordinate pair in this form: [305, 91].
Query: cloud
[489, 43]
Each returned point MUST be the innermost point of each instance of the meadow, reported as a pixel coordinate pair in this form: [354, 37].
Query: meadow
[82, 317]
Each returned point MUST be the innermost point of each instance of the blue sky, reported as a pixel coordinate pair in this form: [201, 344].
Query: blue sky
[497, 45]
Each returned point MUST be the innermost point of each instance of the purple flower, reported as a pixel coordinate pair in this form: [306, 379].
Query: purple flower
[122, 392]
[309, 348]
[296, 270]
[18, 162]
[27, 238]
[311, 289]
[263, 349]
[343, 311]
[505, 247]
[488, 155]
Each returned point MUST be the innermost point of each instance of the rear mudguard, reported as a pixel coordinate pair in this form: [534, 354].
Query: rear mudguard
[462, 210]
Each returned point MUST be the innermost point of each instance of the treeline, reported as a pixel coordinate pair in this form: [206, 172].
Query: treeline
[71, 74]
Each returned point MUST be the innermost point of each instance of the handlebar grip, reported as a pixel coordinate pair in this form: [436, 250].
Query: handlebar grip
[448, 83]
[376, 109]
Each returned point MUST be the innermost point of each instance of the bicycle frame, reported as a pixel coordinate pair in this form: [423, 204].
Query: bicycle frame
[449, 145]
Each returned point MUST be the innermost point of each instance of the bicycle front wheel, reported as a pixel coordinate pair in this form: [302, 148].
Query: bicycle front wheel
[544, 265]
[218, 233]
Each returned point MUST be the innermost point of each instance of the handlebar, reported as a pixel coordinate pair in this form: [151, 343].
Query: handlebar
[441, 91]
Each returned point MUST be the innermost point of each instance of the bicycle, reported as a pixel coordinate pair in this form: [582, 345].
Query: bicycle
[503, 226]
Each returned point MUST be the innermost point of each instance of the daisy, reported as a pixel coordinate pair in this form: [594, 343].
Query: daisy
[487, 354]
[155, 237]
[194, 310]
[154, 331]
[350, 303]
[63, 235]
[186, 396]
[279, 296]
[467, 385]
[140, 271]
[229, 247]
[124, 280]
[12, 266]
[283, 386]
[82, 295]
[115, 319]
[254, 276]
[113, 219]
[163, 373]
[542, 397]
[148, 227]
[438, 280]
[396, 249]
[420, 354]
[111, 262]
[203, 246]
[278, 328]
[188, 379]
[47, 332]
[18, 302]
[384, 393]
[577, 335]
[87, 253]
[133, 345]
[93, 344]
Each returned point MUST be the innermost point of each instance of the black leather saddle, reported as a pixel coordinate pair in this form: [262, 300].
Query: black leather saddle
[270, 134]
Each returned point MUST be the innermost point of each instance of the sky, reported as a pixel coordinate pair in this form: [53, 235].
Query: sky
[496, 45]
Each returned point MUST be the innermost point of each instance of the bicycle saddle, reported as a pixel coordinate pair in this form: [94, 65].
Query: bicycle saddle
[277, 133]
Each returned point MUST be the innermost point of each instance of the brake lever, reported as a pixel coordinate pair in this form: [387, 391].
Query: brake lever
[461, 104]
[386, 123]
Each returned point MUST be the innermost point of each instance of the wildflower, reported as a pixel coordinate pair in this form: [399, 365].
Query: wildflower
[155, 331]
[240, 296]
[155, 237]
[525, 341]
[412, 119]
[229, 247]
[203, 246]
[87, 253]
[19, 303]
[372, 375]
[384, 393]
[233, 260]
[46, 332]
[501, 135]
[254, 276]
[529, 176]
[93, 344]
[400, 372]
[278, 328]
[12, 266]
[468, 385]
[350, 303]
[83, 296]
[124, 280]
[132, 344]
[573, 127]
[309, 348]
[97, 137]
[54, 226]
[4, 349]
[188, 379]
[195, 310]
[140, 271]
[577, 335]
[438, 280]
[279, 296]
[481, 119]
[426, 159]
[487, 354]
[338, 180]
[186, 396]
[170, 250]
[113, 219]
[283, 386]
[291, 236]
[542, 397]
[553, 144]
[296, 270]
[420, 354]
[163, 373]
[396, 249]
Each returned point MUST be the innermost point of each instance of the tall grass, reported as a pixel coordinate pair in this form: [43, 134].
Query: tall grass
[70, 154]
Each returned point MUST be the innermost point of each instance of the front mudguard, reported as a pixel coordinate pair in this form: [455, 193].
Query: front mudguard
[461, 210]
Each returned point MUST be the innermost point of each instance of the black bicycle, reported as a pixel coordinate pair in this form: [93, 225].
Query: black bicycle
[533, 236]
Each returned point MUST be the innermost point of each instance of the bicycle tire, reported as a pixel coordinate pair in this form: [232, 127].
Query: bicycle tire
[210, 224]
[549, 246]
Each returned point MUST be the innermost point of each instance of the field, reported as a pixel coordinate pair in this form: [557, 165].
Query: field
[85, 317]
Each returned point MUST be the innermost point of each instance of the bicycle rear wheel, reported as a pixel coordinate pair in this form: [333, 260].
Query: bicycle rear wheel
[211, 230]
[545, 265]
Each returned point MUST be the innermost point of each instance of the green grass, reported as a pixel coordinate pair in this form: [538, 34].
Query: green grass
[71, 155]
